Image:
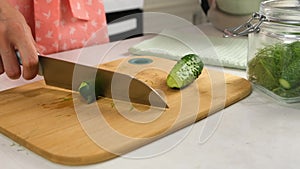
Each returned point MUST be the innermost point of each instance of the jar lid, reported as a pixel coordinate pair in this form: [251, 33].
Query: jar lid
[279, 11]
[282, 11]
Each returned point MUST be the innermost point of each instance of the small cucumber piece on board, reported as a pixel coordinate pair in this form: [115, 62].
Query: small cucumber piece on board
[89, 90]
[86, 90]
[185, 71]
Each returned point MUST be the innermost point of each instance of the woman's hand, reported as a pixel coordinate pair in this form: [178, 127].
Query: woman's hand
[15, 34]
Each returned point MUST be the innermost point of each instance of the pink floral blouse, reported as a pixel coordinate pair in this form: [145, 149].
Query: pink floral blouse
[59, 25]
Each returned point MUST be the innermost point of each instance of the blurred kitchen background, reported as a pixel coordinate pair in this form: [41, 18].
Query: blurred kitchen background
[120, 26]
[228, 13]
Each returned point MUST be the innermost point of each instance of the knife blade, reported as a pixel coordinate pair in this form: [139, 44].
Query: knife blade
[115, 85]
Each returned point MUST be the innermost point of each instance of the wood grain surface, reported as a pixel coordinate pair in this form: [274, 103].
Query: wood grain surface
[58, 125]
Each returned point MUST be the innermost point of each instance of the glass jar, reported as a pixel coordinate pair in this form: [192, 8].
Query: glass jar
[274, 49]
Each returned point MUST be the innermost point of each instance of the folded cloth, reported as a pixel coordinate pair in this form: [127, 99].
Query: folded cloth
[217, 51]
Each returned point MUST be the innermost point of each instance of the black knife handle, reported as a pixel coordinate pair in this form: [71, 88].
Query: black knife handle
[19, 57]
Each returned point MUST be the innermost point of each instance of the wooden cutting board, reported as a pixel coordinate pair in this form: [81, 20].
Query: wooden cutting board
[58, 125]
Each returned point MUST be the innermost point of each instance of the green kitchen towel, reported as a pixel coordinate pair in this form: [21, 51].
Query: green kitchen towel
[217, 51]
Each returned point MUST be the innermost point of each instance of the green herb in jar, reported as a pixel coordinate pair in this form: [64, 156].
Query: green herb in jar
[277, 68]
[290, 76]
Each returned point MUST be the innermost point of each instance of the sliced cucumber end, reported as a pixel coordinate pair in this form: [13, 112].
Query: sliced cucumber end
[173, 82]
[284, 83]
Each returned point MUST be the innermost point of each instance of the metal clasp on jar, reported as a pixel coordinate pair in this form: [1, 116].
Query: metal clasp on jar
[252, 25]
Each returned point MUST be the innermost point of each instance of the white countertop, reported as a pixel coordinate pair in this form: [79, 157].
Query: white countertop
[256, 132]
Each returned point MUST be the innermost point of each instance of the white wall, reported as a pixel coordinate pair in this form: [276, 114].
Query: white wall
[181, 8]
[121, 5]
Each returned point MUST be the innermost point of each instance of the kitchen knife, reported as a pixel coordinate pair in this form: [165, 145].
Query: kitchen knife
[69, 75]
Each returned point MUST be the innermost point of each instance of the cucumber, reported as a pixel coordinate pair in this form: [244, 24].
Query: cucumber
[86, 90]
[185, 71]
[290, 76]
[90, 90]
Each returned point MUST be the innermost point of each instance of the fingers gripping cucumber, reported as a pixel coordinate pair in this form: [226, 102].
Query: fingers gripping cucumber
[185, 71]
